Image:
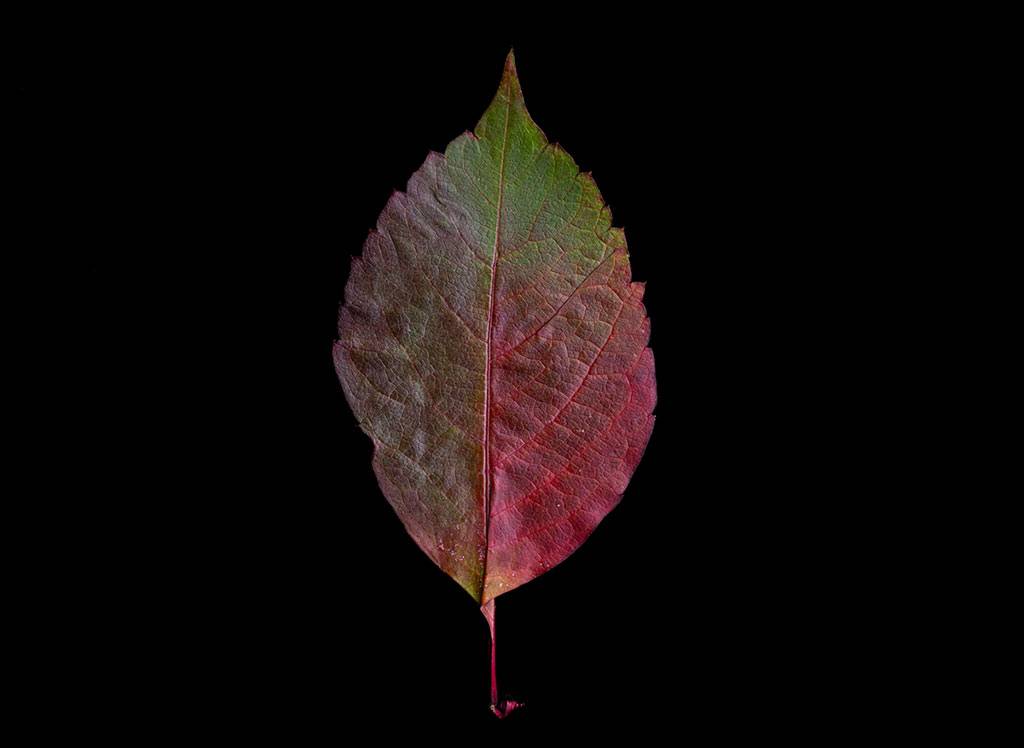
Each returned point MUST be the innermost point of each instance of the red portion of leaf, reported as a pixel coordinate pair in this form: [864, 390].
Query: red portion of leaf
[571, 416]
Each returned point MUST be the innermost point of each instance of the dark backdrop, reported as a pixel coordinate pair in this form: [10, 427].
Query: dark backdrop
[287, 597]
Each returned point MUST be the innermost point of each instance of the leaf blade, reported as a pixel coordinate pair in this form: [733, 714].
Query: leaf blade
[494, 347]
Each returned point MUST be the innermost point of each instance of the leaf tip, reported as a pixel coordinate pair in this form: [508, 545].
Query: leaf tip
[510, 63]
[510, 78]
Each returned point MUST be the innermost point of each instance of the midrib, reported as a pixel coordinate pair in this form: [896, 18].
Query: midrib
[487, 487]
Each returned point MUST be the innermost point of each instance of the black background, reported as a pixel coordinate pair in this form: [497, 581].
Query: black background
[274, 590]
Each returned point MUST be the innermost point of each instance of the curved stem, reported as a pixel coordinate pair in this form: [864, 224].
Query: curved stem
[501, 707]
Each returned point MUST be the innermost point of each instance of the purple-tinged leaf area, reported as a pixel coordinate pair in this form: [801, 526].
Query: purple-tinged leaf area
[494, 347]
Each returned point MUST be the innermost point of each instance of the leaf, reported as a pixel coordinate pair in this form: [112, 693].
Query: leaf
[493, 347]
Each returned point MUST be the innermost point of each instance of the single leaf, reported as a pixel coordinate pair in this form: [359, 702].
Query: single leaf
[494, 348]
